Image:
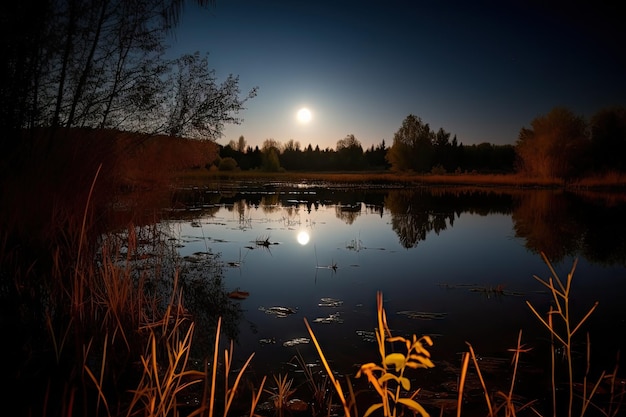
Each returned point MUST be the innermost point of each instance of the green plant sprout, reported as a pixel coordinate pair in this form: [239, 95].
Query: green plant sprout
[388, 378]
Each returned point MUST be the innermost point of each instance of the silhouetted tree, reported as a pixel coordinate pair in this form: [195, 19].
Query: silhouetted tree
[251, 159]
[349, 154]
[376, 156]
[195, 105]
[441, 149]
[271, 152]
[291, 157]
[412, 147]
[555, 146]
[101, 64]
[241, 144]
[608, 139]
[489, 158]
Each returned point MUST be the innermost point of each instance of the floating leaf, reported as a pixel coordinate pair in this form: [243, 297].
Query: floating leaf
[366, 335]
[296, 341]
[330, 302]
[278, 311]
[238, 295]
[423, 315]
[332, 318]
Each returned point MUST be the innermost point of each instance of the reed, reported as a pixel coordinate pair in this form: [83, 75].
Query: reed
[318, 388]
[562, 334]
[281, 393]
[561, 293]
[336, 384]
[500, 402]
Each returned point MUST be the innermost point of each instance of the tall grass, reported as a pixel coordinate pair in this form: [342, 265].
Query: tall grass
[393, 388]
[128, 325]
[561, 294]
[104, 342]
[562, 335]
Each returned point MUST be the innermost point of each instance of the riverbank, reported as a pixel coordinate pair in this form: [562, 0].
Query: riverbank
[607, 182]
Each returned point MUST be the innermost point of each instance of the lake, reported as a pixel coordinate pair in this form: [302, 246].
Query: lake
[452, 262]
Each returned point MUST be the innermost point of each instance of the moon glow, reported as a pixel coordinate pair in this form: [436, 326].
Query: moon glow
[303, 238]
[304, 115]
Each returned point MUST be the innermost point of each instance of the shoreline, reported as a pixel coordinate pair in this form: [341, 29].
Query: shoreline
[610, 183]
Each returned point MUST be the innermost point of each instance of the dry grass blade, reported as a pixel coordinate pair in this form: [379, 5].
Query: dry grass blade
[84, 222]
[462, 378]
[256, 397]
[214, 369]
[545, 323]
[231, 391]
[591, 310]
[587, 399]
[318, 389]
[99, 382]
[334, 381]
[561, 298]
[58, 345]
[480, 377]
[158, 388]
[283, 392]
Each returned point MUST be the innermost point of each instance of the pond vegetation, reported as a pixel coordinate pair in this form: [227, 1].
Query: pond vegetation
[124, 325]
[101, 314]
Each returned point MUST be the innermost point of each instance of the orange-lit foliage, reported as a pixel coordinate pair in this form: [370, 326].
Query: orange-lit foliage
[146, 160]
[48, 186]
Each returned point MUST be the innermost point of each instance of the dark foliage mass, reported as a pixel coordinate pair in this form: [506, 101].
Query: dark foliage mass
[557, 146]
[101, 64]
[433, 153]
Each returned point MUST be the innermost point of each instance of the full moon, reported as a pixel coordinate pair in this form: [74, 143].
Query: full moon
[303, 238]
[304, 115]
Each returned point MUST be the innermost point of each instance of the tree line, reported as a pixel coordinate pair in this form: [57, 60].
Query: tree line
[415, 148]
[442, 156]
[102, 64]
[558, 145]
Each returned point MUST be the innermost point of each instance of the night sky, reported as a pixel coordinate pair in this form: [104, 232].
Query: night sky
[479, 70]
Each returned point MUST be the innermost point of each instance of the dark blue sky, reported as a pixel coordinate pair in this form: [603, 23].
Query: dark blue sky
[480, 70]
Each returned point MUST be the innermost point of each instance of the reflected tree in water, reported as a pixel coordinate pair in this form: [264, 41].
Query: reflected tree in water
[270, 203]
[206, 299]
[414, 215]
[542, 218]
[348, 213]
[562, 224]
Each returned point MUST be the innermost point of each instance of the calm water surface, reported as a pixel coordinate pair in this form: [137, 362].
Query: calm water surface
[468, 256]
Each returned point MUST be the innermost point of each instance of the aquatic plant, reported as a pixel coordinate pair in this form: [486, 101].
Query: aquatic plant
[562, 334]
[502, 400]
[282, 392]
[317, 386]
[561, 292]
[388, 379]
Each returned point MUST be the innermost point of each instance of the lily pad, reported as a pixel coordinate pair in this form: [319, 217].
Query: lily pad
[278, 311]
[423, 315]
[238, 295]
[296, 341]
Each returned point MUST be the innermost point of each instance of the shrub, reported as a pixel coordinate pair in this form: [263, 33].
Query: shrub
[228, 164]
